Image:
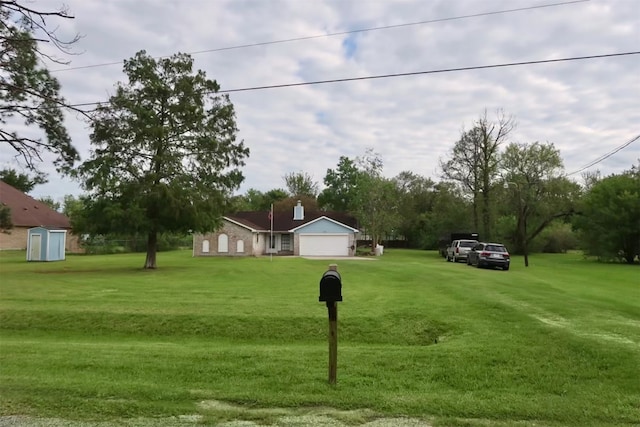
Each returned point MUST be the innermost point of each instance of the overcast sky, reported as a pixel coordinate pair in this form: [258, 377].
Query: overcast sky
[586, 108]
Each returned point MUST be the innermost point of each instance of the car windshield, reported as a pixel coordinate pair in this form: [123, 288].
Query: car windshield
[495, 248]
[469, 244]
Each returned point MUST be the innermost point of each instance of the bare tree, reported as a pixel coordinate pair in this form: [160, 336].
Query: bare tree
[301, 184]
[474, 161]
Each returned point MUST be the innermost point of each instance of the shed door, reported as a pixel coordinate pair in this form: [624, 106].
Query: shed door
[324, 245]
[35, 246]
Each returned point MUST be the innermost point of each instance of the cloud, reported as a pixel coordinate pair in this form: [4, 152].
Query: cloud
[586, 108]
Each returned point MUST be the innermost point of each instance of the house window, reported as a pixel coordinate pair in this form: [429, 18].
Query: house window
[223, 243]
[240, 246]
[272, 242]
[205, 246]
[285, 242]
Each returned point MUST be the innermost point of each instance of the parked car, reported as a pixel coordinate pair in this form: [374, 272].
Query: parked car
[459, 249]
[489, 255]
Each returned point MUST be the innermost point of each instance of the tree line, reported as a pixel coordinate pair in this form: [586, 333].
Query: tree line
[165, 160]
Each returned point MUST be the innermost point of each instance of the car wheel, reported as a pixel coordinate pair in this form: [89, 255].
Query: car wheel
[505, 268]
[478, 265]
[455, 259]
[468, 261]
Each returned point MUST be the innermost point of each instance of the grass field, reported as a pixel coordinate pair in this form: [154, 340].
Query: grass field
[208, 340]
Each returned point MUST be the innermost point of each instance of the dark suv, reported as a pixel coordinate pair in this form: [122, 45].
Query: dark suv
[489, 255]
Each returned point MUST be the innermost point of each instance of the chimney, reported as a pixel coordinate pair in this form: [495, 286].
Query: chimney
[298, 212]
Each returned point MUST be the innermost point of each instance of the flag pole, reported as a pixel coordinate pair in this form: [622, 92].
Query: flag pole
[271, 234]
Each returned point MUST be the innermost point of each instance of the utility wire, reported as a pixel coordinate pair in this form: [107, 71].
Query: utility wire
[605, 156]
[415, 73]
[341, 33]
[443, 70]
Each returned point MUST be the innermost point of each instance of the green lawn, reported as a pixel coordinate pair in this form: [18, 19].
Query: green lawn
[97, 338]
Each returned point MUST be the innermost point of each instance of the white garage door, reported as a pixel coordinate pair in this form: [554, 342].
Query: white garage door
[324, 245]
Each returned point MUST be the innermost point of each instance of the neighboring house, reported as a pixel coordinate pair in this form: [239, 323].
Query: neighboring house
[26, 213]
[311, 234]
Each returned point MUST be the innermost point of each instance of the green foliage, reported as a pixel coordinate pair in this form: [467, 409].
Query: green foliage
[416, 195]
[115, 243]
[21, 181]
[428, 210]
[559, 237]
[5, 217]
[505, 231]
[341, 186]
[610, 218]
[95, 340]
[376, 198]
[538, 193]
[27, 89]
[255, 200]
[309, 203]
[51, 203]
[165, 156]
[301, 184]
[450, 212]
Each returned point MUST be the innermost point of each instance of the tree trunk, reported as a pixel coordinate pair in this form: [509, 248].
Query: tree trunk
[152, 249]
[486, 215]
[525, 243]
[475, 212]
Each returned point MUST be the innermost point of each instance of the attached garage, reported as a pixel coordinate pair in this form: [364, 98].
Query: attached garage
[324, 245]
[324, 237]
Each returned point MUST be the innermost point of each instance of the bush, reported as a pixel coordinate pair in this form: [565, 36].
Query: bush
[557, 238]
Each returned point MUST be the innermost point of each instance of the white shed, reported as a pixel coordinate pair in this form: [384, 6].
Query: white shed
[46, 244]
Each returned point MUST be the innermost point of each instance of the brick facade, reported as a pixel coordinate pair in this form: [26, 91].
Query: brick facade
[16, 239]
[250, 241]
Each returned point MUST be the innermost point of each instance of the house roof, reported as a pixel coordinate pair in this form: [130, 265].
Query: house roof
[29, 212]
[324, 218]
[284, 222]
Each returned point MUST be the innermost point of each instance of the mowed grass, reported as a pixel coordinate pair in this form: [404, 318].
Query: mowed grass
[98, 338]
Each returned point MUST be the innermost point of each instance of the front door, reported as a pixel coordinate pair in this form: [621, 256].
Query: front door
[35, 244]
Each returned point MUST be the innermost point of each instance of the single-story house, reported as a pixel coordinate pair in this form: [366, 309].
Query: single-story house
[27, 213]
[257, 233]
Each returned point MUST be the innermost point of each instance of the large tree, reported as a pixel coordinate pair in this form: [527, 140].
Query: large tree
[300, 184]
[256, 200]
[341, 186]
[539, 192]
[473, 164]
[417, 196]
[29, 95]
[165, 155]
[376, 199]
[610, 217]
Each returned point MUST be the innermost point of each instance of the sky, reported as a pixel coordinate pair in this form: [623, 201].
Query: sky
[586, 108]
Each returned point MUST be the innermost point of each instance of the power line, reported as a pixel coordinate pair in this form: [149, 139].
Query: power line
[414, 73]
[444, 70]
[341, 33]
[605, 156]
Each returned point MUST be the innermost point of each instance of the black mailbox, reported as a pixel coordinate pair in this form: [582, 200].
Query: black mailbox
[331, 287]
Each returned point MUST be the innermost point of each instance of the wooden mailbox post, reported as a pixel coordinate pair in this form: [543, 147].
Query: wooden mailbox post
[331, 293]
